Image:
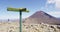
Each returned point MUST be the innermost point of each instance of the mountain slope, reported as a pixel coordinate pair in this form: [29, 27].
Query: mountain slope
[42, 17]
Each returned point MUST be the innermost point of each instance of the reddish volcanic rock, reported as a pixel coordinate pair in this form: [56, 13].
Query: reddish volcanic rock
[42, 17]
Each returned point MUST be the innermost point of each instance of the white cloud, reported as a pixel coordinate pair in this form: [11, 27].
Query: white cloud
[50, 1]
[56, 2]
[54, 13]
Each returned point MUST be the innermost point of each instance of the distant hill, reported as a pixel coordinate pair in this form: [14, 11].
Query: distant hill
[42, 17]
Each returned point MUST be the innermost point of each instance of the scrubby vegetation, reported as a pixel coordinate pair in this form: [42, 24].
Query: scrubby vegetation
[14, 27]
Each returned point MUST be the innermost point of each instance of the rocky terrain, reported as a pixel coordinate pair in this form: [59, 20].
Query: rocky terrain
[41, 28]
[9, 27]
[42, 17]
[14, 27]
[38, 22]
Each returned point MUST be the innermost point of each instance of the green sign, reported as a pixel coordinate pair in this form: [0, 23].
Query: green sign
[17, 9]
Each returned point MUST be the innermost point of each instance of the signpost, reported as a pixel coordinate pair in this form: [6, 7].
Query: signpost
[18, 10]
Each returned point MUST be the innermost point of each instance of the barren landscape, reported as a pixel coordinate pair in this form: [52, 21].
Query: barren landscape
[38, 22]
[29, 15]
[14, 27]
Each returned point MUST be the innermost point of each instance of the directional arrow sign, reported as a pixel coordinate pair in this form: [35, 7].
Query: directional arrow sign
[17, 9]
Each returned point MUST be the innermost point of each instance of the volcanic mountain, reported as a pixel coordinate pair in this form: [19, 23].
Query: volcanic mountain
[41, 17]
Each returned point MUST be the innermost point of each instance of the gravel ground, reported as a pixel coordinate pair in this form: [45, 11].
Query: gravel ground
[14, 27]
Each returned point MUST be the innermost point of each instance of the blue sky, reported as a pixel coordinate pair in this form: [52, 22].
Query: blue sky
[49, 6]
